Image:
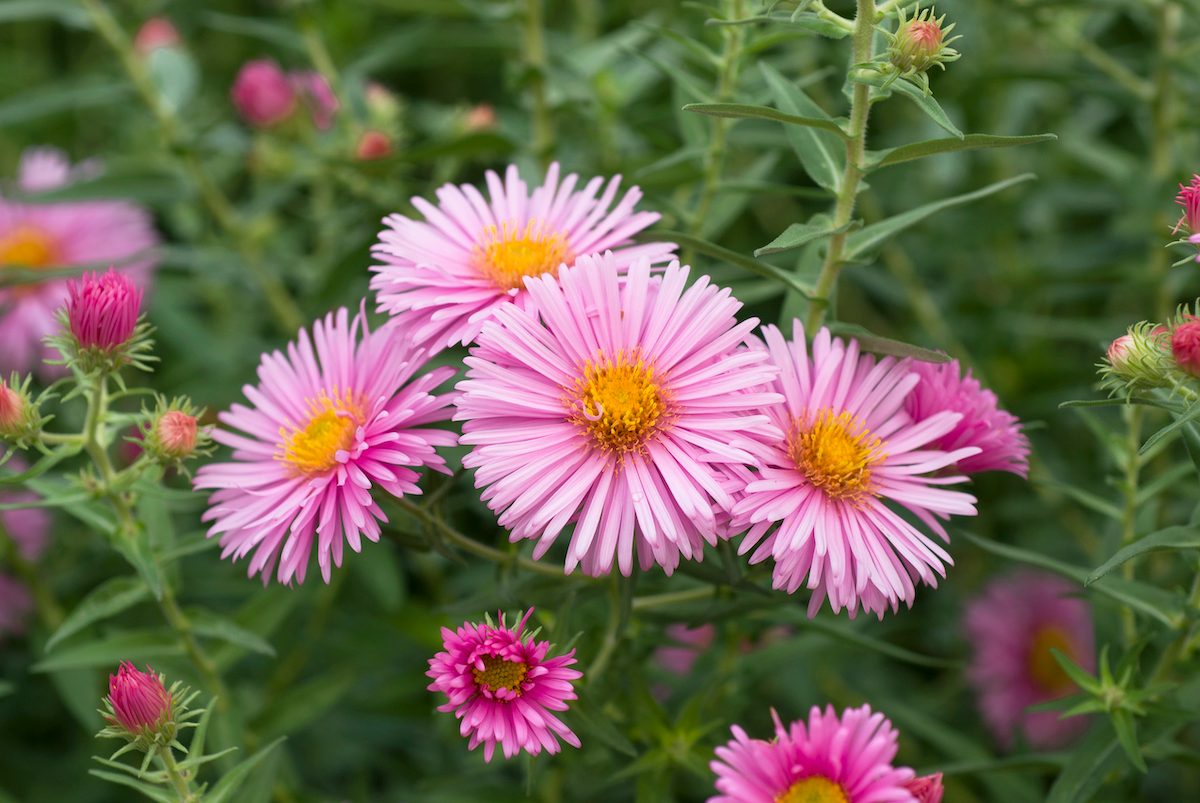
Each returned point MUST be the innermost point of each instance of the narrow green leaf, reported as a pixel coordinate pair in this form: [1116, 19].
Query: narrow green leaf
[1123, 723]
[267, 30]
[59, 98]
[851, 636]
[43, 465]
[224, 791]
[1084, 772]
[1074, 671]
[926, 103]
[212, 625]
[144, 185]
[744, 111]
[1191, 441]
[107, 599]
[875, 344]
[930, 147]
[805, 21]
[724, 254]
[1118, 402]
[66, 12]
[798, 235]
[822, 154]
[110, 650]
[869, 237]
[1165, 539]
[159, 793]
[1187, 417]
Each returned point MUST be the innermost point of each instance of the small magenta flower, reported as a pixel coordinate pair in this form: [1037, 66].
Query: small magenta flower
[102, 310]
[373, 145]
[140, 702]
[155, 33]
[927, 788]
[1189, 199]
[263, 93]
[1185, 345]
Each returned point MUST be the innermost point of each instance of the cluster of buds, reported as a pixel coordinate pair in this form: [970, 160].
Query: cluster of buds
[172, 433]
[918, 44]
[20, 418]
[1153, 355]
[102, 325]
[145, 713]
[266, 96]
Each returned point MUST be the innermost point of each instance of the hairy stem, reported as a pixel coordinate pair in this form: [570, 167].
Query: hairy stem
[182, 788]
[860, 109]
[1133, 465]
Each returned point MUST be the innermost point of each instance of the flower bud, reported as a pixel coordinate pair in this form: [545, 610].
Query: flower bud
[12, 410]
[920, 43]
[155, 33]
[1185, 346]
[102, 310]
[317, 96]
[373, 145]
[382, 104]
[140, 701]
[927, 788]
[481, 118]
[1140, 358]
[1189, 199]
[176, 431]
[173, 433]
[263, 94]
[20, 420]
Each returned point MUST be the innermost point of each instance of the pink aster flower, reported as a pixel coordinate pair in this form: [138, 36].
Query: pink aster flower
[824, 504]
[1185, 345]
[1189, 199]
[829, 759]
[927, 788]
[34, 236]
[503, 687]
[1002, 446]
[614, 405]
[445, 275]
[103, 309]
[1012, 626]
[332, 419]
[28, 527]
[16, 605]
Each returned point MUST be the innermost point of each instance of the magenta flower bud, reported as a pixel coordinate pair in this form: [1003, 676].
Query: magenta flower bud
[176, 433]
[927, 788]
[12, 410]
[1119, 351]
[372, 145]
[1189, 199]
[1185, 346]
[155, 33]
[263, 94]
[102, 310]
[141, 704]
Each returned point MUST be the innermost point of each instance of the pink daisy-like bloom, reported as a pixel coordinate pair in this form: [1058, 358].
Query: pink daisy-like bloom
[614, 405]
[34, 236]
[1013, 625]
[1002, 445]
[442, 277]
[332, 419]
[503, 687]
[28, 527]
[686, 645]
[829, 759]
[820, 505]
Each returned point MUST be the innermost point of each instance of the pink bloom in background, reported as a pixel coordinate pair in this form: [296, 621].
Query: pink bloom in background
[503, 687]
[317, 96]
[140, 702]
[28, 527]
[155, 32]
[829, 759]
[1185, 345]
[102, 310]
[442, 277]
[59, 234]
[481, 117]
[1002, 446]
[263, 93]
[372, 145]
[612, 404]
[1189, 199]
[16, 605]
[927, 788]
[1012, 625]
[333, 418]
[688, 643]
[820, 505]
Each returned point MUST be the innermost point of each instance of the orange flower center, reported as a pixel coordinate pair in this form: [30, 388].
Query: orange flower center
[619, 402]
[1044, 670]
[816, 789]
[330, 429]
[508, 254]
[26, 247]
[498, 673]
[834, 453]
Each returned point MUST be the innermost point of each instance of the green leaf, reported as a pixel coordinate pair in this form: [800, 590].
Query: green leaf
[59, 98]
[223, 792]
[822, 154]
[107, 599]
[276, 33]
[1126, 728]
[213, 625]
[970, 142]
[302, 705]
[175, 75]
[136, 550]
[725, 255]
[109, 651]
[1165, 539]
[65, 11]
[1075, 672]
[850, 635]
[1191, 441]
[1081, 777]
[869, 237]
[6, 688]
[805, 21]
[799, 235]
[925, 103]
[159, 793]
[885, 345]
[744, 111]
[380, 574]
[41, 466]
[1187, 417]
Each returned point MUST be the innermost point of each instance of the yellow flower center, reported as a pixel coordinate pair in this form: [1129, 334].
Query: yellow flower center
[498, 673]
[619, 402]
[814, 790]
[26, 247]
[834, 453]
[1046, 671]
[508, 254]
[330, 429]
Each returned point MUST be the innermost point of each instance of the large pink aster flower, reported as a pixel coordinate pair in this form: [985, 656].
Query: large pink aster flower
[829, 759]
[1002, 446]
[503, 687]
[56, 235]
[614, 405]
[332, 419]
[445, 275]
[1013, 625]
[820, 505]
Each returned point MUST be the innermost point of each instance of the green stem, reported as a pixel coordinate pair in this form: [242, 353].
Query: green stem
[1133, 465]
[860, 109]
[714, 156]
[612, 633]
[182, 788]
[200, 659]
[674, 598]
[535, 62]
[282, 305]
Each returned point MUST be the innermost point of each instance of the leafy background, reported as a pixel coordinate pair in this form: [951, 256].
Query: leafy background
[1026, 286]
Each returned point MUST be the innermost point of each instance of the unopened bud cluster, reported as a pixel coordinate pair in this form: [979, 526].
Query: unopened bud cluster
[1153, 355]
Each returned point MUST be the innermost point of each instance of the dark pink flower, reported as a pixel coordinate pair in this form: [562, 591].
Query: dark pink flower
[263, 94]
[927, 788]
[1189, 199]
[1185, 345]
[12, 409]
[504, 688]
[140, 702]
[102, 310]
